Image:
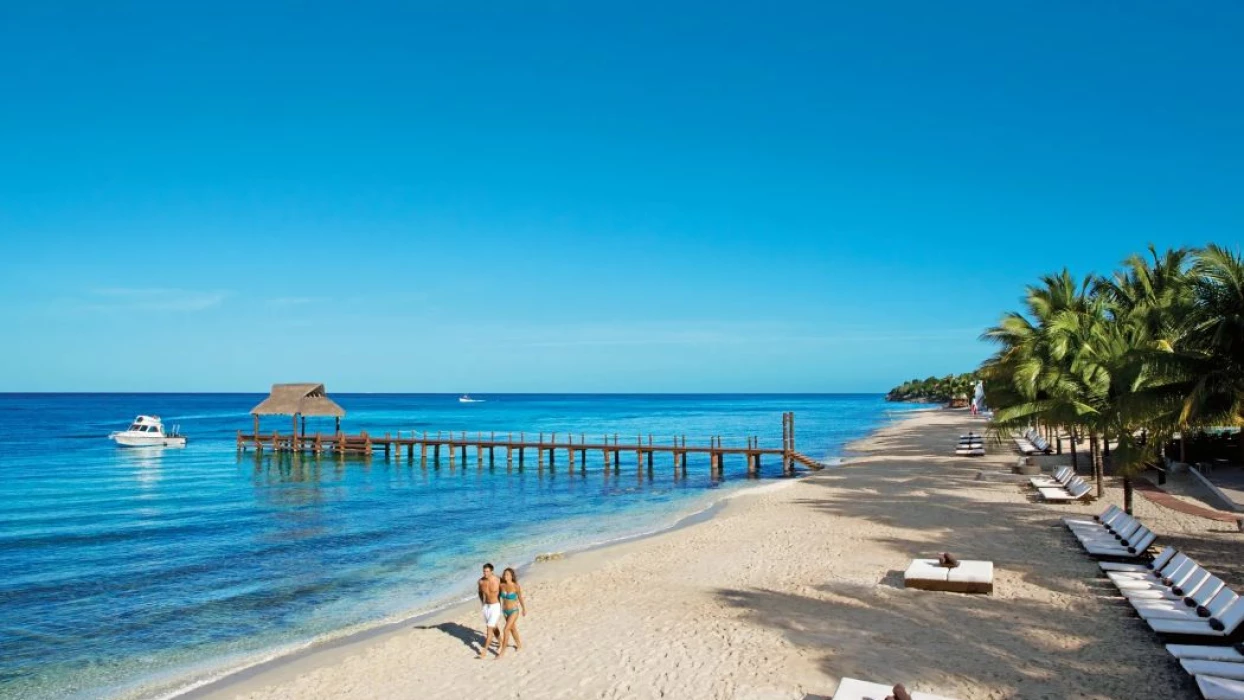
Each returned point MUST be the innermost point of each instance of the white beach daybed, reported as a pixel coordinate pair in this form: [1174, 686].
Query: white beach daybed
[854, 689]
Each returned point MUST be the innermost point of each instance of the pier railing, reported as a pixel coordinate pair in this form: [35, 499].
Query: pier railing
[545, 448]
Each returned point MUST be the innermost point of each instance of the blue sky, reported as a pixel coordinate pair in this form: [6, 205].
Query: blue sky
[584, 196]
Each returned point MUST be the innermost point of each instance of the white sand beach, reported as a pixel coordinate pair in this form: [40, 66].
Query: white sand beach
[798, 584]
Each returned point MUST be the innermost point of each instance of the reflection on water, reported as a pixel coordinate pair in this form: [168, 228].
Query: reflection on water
[146, 463]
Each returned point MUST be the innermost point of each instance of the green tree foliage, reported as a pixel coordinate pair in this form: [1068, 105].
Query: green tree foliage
[1130, 359]
[935, 389]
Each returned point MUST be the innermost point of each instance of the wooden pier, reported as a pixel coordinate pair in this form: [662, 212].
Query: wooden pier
[545, 448]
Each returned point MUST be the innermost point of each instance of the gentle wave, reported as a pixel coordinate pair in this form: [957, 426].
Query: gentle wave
[141, 571]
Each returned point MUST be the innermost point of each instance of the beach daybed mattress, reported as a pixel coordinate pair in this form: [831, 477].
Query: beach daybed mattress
[854, 689]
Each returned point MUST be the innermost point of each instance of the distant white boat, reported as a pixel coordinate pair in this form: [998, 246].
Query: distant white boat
[148, 431]
[466, 398]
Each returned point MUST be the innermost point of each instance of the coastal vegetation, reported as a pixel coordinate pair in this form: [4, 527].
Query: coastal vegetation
[1130, 359]
[935, 389]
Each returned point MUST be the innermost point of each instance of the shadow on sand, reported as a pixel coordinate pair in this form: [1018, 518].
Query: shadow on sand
[470, 637]
[1034, 644]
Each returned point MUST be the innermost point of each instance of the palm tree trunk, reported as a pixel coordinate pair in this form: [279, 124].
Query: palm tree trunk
[1058, 441]
[1075, 463]
[1105, 442]
[1098, 468]
[1127, 494]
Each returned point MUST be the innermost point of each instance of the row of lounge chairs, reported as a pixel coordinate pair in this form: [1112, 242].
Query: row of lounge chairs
[1063, 486]
[971, 445]
[1031, 443]
[1194, 611]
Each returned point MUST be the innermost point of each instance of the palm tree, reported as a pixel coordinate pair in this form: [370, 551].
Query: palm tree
[1156, 348]
[1149, 303]
[1031, 376]
[1218, 335]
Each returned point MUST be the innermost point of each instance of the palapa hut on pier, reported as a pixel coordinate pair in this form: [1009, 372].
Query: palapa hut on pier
[299, 401]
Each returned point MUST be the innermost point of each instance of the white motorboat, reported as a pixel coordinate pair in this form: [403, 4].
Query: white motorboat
[466, 398]
[148, 431]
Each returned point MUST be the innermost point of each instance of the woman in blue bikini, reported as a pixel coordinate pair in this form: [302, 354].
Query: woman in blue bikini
[512, 604]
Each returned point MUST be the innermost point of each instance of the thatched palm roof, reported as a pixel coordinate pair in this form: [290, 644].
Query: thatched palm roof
[298, 399]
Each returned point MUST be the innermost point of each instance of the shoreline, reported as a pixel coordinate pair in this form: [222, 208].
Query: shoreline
[781, 593]
[318, 653]
[277, 661]
[261, 664]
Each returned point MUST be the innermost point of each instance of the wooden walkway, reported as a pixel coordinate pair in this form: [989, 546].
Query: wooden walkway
[517, 448]
[1166, 500]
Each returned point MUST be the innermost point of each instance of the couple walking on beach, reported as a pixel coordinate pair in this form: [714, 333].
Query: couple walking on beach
[503, 602]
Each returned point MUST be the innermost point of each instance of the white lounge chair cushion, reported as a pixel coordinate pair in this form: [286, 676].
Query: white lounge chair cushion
[1230, 619]
[1206, 667]
[1163, 565]
[853, 689]
[1205, 651]
[1159, 563]
[1178, 576]
[1217, 688]
[1201, 588]
[1136, 549]
[1170, 610]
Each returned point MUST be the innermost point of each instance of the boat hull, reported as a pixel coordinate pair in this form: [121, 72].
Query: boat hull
[148, 441]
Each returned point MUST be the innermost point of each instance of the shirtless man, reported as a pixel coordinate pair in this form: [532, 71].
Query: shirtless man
[489, 592]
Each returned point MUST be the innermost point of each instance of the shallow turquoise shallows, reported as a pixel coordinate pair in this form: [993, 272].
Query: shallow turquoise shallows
[137, 571]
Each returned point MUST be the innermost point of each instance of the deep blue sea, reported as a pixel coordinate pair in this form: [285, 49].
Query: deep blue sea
[137, 571]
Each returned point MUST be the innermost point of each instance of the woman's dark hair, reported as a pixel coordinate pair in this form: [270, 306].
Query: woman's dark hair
[513, 575]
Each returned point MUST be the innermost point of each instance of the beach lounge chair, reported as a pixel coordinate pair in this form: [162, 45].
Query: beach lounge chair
[1211, 652]
[1060, 478]
[1176, 577]
[1198, 588]
[1109, 521]
[1146, 568]
[1077, 490]
[854, 689]
[1119, 528]
[1025, 447]
[1165, 571]
[1206, 667]
[1167, 610]
[1144, 538]
[1217, 688]
[1226, 625]
[1031, 443]
[970, 446]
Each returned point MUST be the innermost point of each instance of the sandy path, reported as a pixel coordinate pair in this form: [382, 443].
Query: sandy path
[789, 589]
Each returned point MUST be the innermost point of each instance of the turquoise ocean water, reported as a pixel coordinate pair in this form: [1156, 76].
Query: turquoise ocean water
[134, 572]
